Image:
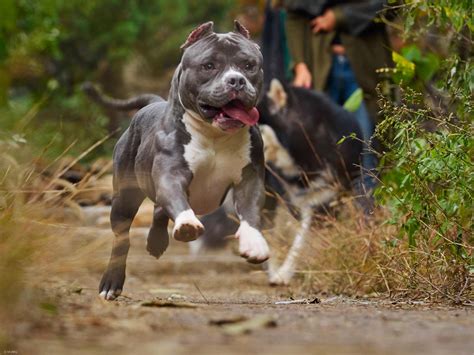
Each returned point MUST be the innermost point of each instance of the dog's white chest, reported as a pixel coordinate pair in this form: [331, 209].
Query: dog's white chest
[216, 163]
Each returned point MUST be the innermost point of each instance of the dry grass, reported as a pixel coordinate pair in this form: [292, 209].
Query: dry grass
[36, 213]
[345, 255]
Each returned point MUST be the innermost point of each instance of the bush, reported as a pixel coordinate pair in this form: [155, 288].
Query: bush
[428, 133]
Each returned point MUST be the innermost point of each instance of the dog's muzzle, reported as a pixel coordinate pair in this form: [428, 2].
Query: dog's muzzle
[231, 116]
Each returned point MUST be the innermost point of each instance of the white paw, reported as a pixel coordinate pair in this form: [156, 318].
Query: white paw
[281, 277]
[187, 227]
[252, 245]
[110, 295]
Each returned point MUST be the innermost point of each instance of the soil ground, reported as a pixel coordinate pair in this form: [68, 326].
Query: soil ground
[223, 286]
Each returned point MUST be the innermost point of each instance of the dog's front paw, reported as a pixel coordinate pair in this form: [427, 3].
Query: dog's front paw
[187, 227]
[111, 284]
[252, 245]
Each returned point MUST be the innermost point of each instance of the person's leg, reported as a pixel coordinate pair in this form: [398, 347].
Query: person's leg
[369, 159]
[362, 115]
[365, 185]
[335, 82]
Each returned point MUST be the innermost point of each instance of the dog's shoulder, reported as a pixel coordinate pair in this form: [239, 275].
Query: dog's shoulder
[148, 115]
[149, 120]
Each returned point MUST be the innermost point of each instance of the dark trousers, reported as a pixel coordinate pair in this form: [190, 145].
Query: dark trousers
[340, 86]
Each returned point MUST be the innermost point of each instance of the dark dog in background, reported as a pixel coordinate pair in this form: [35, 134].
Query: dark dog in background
[306, 166]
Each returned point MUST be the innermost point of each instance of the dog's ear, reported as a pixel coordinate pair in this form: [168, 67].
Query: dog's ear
[239, 28]
[277, 95]
[198, 33]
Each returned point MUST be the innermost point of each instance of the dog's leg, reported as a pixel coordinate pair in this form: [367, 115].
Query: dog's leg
[171, 195]
[158, 238]
[218, 225]
[187, 226]
[248, 202]
[125, 205]
[283, 275]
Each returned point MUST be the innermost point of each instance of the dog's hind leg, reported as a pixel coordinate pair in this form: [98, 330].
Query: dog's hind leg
[158, 238]
[125, 205]
[283, 275]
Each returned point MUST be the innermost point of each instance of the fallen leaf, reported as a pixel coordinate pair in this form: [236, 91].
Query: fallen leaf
[161, 303]
[249, 325]
[228, 320]
[77, 290]
[49, 308]
[176, 296]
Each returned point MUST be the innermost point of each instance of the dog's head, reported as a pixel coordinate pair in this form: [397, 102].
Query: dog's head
[220, 77]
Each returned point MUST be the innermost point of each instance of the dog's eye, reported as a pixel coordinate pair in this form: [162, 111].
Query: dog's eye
[249, 66]
[208, 66]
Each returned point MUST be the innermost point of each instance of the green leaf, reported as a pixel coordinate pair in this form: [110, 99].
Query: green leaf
[404, 69]
[427, 66]
[354, 101]
[411, 53]
[343, 139]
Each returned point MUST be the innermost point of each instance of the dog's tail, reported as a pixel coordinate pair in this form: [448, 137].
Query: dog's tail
[134, 103]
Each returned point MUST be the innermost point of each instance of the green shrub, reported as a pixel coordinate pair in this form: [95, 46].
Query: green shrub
[428, 174]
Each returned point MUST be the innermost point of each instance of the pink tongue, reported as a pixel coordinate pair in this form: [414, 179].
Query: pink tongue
[237, 111]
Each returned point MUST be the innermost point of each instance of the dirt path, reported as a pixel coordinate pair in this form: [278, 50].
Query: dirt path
[223, 286]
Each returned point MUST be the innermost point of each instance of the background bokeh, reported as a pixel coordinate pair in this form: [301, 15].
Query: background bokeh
[49, 47]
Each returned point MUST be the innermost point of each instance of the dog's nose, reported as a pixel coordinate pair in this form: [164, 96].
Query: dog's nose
[236, 82]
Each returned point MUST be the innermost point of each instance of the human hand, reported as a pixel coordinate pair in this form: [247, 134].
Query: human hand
[303, 76]
[324, 23]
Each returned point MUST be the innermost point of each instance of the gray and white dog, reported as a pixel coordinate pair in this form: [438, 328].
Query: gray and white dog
[186, 153]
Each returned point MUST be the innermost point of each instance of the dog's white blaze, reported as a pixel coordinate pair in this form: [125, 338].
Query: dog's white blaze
[233, 72]
[252, 245]
[216, 160]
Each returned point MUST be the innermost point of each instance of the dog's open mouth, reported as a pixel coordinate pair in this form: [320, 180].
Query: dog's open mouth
[232, 115]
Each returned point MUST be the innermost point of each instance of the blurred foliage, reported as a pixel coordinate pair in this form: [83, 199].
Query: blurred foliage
[354, 101]
[49, 47]
[429, 171]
